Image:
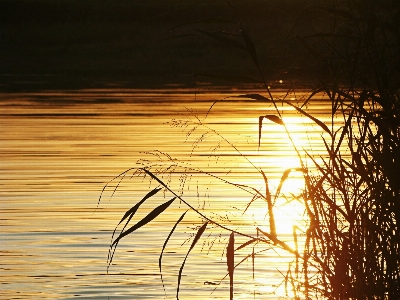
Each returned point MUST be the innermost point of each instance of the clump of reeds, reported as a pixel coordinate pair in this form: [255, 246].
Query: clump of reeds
[352, 195]
[354, 202]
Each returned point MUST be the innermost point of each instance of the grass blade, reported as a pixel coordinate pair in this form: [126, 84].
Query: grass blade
[249, 242]
[196, 238]
[260, 119]
[321, 124]
[275, 119]
[130, 213]
[133, 210]
[270, 206]
[152, 215]
[314, 92]
[254, 97]
[165, 244]
[272, 118]
[285, 176]
[278, 242]
[230, 259]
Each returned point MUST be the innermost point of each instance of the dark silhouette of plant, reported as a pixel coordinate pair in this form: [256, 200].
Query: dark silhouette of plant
[351, 247]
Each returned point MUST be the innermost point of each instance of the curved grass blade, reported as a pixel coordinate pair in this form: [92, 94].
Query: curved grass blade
[272, 118]
[270, 206]
[121, 176]
[253, 258]
[260, 119]
[253, 254]
[196, 238]
[230, 260]
[246, 244]
[152, 215]
[321, 124]
[254, 198]
[314, 92]
[254, 97]
[278, 242]
[133, 210]
[130, 213]
[275, 119]
[345, 130]
[165, 244]
[285, 176]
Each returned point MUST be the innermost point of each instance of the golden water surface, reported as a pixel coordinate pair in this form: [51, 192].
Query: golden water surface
[59, 148]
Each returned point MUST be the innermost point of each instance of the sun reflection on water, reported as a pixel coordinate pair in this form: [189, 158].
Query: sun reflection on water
[288, 207]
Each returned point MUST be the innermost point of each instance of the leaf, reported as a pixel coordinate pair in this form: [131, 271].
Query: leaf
[255, 97]
[249, 242]
[278, 242]
[345, 130]
[165, 244]
[251, 48]
[322, 125]
[314, 92]
[254, 198]
[275, 119]
[272, 118]
[152, 215]
[270, 205]
[285, 176]
[253, 258]
[230, 260]
[220, 37]
[260, 119]
[121, 176]
[196, 238]
[131, 212]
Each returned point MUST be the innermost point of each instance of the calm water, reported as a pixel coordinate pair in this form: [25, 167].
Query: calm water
[58, 149]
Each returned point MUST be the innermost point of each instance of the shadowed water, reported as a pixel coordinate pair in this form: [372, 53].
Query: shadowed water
[58, 149]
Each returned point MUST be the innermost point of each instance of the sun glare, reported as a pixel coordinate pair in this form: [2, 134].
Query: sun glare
[295, 128]
[288, 208]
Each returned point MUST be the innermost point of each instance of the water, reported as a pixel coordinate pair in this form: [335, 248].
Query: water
[58, 150]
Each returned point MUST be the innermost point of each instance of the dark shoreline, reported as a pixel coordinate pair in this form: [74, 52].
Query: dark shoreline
[71, 44]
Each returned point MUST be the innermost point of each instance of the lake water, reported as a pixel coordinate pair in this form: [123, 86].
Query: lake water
[59, 148]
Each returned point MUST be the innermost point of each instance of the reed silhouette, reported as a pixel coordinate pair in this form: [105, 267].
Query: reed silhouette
[351, 197]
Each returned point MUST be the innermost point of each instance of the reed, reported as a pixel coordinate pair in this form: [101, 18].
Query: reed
[351, 247]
